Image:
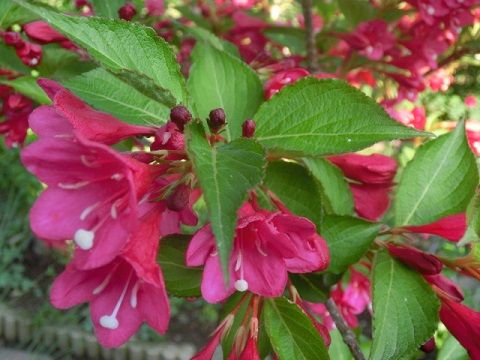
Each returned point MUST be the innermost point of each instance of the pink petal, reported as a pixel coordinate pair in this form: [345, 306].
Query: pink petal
[200, 247]
[73, 287]
[154, 306]
[213, 285]
[45, 122]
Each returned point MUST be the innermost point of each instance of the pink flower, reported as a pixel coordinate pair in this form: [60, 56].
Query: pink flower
[122, 294]
[452, 227]
[371, 39]
[91, 197]
[373, 176]
[42, 32]
[283, 78]
[357, 293]
[247, 35]
[69, 115]
[155, 7]
[206, 353]
[267, 245]
[471, 101]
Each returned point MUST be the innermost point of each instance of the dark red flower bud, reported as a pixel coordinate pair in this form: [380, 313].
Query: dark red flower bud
[178, 200]
[127, 11]
[446, 286]
[30, 54]
[180, 116]
[429, 346]
[427, 264]
[217, 120]
[248, 128]
[14, 39]
[81, 3]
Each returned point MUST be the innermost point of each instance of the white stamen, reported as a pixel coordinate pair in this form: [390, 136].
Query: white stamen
[113, 210]
[143, 199]
[215, 253]
[84, 239]
[238, 264]
[103, 285]
[85, 161]
[259, 248]
[73, 186]
[117, 176]
[87, 211]
[133, 297]
[110, 321]
[34, 62]
[369, 50]
[430, 10]
[241, 285]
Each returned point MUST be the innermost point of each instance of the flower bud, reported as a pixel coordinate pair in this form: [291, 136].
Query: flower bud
[217, 120]
[179, 199]
[30, 54]
[180, 116]
[14, 39]
[127, 11]
[429, 346]
[248, 128]
[424, 263]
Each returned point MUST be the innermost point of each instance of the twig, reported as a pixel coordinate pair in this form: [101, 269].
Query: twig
[347, 335]
[309, 36]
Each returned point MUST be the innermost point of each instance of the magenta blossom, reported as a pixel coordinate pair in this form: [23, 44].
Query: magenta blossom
[122, 294]
[371, 39]
[91, 197]
[267, 245]
[69, 115]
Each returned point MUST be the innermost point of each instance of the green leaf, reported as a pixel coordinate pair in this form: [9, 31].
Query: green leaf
[323, 116]
[348, 239]
[291, 333]
[296, 188]
[10, 60]
[62, 64]
[225, 172]
[119, 46]
[338, 350]
[147, 87]
[405, 309]
[106, 92]
[293, 38]
[338, 198]
[28, 86]
[357, 11]
[439, 181]
[189, 13]
[219, 80]
[210, 38]
[180, 280]
[472, 234]
[452, 350]
[11, 14]
[310, 287]
[108, 9]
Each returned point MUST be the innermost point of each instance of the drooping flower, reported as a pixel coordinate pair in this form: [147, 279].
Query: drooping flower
[463, 323]
[91, 198]
[16, 109]
[445, 286]
[122, 294]
[206, 353]
[69, 115]
[267, 245]
[452, 227]
[423, 262]
[373, 176]
[42, 32]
